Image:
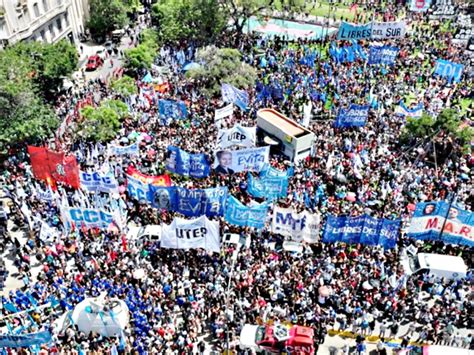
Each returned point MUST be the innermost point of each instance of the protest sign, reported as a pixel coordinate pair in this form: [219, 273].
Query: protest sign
[363, 229]
[414, 112]
[449, 70]
[302, 226]
[230, 161]
[132, 149]
[388, 30]
[246, 216]
[170, 109]
[385, 55]
[96, 182]
[181, 162]
[348, 31]
[237, 135]
[158, 180]
[268, 186]
[137, 189]
[430, 217]
[89, 217]
[25, 340]
[224, 112]
[420, 5]
[354, 116]
[191, 234]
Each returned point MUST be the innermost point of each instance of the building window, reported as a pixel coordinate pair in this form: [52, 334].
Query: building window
[51, 30]
[42, 35]
[45, 5]
[59, 24]
[66, 18]
[36, 9]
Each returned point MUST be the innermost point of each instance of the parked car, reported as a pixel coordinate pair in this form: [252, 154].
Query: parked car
[276, 339]
[94, 62]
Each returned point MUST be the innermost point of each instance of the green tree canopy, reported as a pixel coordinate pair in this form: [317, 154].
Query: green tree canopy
[106, 16]
[125, 86]
[142, 56]
[222, 65]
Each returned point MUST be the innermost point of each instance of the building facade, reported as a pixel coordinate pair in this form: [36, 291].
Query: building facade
[41, 20]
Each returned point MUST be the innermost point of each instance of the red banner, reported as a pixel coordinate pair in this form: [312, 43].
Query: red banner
[54, 167]
[161, 180]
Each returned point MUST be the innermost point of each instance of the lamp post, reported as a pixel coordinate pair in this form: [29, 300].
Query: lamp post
[235, 254]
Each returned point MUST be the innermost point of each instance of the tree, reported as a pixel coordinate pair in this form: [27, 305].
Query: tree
[101, 124]
[199, 20]
[125, 86]
[106, 16]
[222, 65]
[142, 56]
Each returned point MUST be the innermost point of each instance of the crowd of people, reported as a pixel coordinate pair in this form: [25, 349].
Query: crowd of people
[193, 297]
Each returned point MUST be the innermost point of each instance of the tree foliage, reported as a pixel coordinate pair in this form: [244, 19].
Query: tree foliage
[142, 56]
[106, 16]
[102, 123]
[221, 65]
[125, 86]
[199, 20]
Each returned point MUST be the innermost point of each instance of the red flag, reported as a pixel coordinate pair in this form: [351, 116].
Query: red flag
[53, 167]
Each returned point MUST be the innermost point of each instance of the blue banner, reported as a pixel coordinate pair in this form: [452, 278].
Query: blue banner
[181, 162]
[354, 116]
[191, 203]
[231, 94]
[132, 149]
[246, 216]
[449, 70]
[25, 340]
[137, 189]
[172, 109]
[89, 217]
[430, 217]
[268, 186]
[363, 229]
[384, 55]
[97, 182]
[349, 31]
[270, 171]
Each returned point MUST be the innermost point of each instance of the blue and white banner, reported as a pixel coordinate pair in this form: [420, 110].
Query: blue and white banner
[253, 216]
[384, 55]
[420, 5]
[170, 109]
[137, 189]
[236, 136]
[181, 162]
[191, 234]
[414, 112]
[191, 203]
[235, 161]
[89, 217]
[302, 226]
[387, 30]
[25, 340]
[348, 31]
[430, 217]
[96, 182]
[270, 171]
[363, 229]
[449, 70]
[231, 94]
[354, 116]
[268, 186]
[132, 149]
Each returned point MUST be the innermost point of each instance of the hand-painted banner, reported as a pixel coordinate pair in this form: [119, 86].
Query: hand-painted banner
[268, 186]
[363, 229]
[132, 149]
[172, 109]
[158, 180]
[373, 30]
[235, 161]
[253, 216]
[88, 217]
[430, 217]
[302, 226]
[96, 182]
[181, 162]
[349, 31]
[384, 55]
[25, 340]
[191, 234]
[449, 70]
[414, 112]
[238, 136]
[420, 5]
[354, 116]
[191, 203]
[224, 112]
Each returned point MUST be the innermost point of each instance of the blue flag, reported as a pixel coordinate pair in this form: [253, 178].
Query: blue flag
[449, 70]
[170, 109]
[246, 216]
[384, 55]
[181, 162]
[233, 95]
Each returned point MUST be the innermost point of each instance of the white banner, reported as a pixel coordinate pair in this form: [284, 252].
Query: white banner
[237, 135]
[190, 234]
[386, 30]
[302, 226]
[223, 112]
[236, 161]
[97, 182]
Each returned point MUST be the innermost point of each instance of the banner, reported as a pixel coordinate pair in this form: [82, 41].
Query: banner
[191, 234]
[363, 229]
[420, 5]
[240, 98]
[429, 218]
[181, 162]
[224, 112]
[94, 182]
[54, 167]
[237, 135]
[414, 112]
[387, 30]
[132, 149]
[270, 171]
[236, 161]
[137, 189]
[302, 226]
[385, 55]
[268, 186]
[25, 340]
[191, 203]
[253, 216]
[89, 217]
[354, 116]
[158, 180]
[349, 31]
[449, 70]
[170, 109]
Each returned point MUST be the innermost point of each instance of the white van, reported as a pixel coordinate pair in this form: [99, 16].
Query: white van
[140, 235]
[446, 266]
